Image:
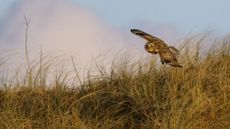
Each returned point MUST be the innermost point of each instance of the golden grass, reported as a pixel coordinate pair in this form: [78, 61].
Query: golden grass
[132, 95]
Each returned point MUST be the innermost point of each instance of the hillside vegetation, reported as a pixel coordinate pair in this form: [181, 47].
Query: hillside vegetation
[130, 95]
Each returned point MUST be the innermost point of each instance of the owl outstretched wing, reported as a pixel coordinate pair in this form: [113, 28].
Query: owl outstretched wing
[148, 37]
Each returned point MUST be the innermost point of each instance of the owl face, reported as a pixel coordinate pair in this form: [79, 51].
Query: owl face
[150, 47]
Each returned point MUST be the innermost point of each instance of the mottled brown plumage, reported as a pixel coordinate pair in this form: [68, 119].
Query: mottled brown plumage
[174, 50]
[168, 57]
[155, 45]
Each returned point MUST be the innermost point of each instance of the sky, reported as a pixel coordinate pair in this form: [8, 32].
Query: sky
[187, 15]
[87, 28]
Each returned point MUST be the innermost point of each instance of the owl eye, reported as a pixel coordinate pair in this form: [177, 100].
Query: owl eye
[151, 46]
[146, 46]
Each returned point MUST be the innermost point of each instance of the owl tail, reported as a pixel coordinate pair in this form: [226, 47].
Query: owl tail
[175, 64]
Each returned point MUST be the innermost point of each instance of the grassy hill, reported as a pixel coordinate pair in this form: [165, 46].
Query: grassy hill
[131, 95]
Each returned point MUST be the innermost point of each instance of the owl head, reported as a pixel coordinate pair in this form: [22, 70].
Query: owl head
[150, 47]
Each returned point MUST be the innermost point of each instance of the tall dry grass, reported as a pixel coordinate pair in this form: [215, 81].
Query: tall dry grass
[130, 95]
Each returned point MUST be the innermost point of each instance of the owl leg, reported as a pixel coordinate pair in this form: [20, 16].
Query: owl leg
[162, 61]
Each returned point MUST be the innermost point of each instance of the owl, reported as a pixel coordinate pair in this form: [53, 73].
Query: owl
[154, 45]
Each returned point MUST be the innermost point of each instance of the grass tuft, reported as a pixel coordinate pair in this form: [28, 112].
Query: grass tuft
[130, 95]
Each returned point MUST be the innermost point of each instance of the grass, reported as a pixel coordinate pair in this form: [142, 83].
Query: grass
[130, 95]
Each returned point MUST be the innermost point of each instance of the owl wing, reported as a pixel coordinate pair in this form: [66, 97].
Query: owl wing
[168, 57]
[174, 51]
[148, 37]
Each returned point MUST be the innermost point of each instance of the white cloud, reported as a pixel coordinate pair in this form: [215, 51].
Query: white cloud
[63, 26]
[59, 25]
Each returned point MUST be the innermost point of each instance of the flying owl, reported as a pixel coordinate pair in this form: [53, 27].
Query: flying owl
[154, 45]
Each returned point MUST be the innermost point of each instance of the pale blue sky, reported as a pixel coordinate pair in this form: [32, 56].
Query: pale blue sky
[4, 6]
[186, 15]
